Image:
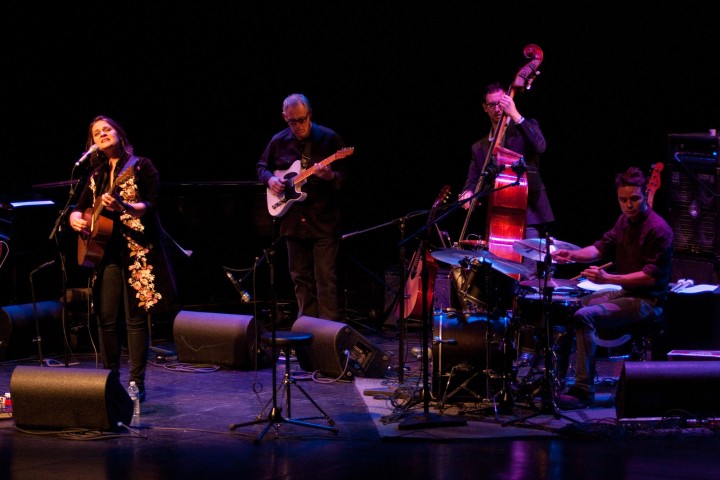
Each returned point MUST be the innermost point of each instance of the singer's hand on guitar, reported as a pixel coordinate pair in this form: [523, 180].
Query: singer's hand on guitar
[276, 185]
[112, 203]
[77, 223]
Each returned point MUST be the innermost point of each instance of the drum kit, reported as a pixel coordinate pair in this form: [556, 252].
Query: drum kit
[491, 345]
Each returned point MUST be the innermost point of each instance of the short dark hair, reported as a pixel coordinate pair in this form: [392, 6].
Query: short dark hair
[632, 177]
[492, 88]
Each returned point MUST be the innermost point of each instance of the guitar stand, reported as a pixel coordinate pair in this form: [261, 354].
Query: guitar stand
[548, 405]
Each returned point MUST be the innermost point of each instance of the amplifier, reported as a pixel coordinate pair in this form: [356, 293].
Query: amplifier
[692, 190]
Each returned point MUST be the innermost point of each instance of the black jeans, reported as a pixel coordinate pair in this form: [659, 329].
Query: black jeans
[114, 319]
[312, 263]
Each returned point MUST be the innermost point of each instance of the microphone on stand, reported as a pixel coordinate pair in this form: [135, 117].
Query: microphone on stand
[244, 295]
[87, 154]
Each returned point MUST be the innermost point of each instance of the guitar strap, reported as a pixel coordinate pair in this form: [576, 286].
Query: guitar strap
[305, 159]
[126, 168]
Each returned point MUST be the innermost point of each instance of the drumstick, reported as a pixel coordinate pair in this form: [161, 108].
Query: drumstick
[609, 264]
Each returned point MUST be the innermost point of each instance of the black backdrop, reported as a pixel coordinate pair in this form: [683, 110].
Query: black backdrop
[199, 85]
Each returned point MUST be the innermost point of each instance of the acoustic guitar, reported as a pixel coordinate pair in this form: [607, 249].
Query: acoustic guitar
[295, 177]
[91, 244]
[413, 285]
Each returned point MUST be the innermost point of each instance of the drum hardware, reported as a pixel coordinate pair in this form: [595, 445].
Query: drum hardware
[537, 248]
[548, 384]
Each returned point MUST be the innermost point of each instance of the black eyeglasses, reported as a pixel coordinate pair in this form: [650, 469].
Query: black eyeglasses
[493, 105]
[295, 121]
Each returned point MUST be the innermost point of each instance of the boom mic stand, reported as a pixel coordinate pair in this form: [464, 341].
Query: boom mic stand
[275, 417]
[63, 267]
[548, 405]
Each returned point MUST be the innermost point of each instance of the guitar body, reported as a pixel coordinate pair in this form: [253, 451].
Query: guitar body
[278, 205]
[91, 246]
[295, 178]
[413, 286]
[413, 306]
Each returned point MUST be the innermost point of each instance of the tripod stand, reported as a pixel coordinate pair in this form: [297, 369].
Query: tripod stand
[287, 340]
[548, 405]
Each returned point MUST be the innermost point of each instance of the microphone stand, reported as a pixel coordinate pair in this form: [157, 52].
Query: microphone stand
[427, 419]
[53, 236]
[548, 404]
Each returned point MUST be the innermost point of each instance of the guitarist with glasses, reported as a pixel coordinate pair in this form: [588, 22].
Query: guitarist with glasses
[121, 239]
[303, 190]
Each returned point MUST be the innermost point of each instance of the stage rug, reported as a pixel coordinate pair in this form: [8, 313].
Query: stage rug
[394, 420]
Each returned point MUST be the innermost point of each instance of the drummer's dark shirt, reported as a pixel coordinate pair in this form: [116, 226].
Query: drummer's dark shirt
[644, 244]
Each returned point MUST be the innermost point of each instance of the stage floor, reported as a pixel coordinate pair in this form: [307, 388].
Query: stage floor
[205, 421]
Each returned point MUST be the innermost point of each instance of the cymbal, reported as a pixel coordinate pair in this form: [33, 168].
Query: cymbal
[536, 248]
[552, 282]
[456, 257]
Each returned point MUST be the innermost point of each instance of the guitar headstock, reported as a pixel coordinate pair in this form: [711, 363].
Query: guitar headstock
[442, 197]
[344, 152]
[653, 182]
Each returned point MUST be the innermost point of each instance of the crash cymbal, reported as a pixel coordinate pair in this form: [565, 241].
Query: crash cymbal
[552, 282]
[536, 248]
[456, 257]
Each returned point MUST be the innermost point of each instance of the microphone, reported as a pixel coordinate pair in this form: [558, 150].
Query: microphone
[519, 167]
[87, 154]
[244, 296]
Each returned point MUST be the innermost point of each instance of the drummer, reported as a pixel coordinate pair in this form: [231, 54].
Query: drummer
[640, 246]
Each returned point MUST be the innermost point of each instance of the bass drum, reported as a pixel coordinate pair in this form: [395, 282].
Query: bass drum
[470, 355]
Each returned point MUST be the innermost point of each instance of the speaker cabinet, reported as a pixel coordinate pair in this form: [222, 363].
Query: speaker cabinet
[220, 339]
[658, 389]
[327, 351]
[57, 398]
[692, 194]
[17, 328]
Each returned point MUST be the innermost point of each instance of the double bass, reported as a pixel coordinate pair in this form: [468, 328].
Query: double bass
[507, 206]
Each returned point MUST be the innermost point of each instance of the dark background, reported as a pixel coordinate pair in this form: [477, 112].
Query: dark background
[198, 87]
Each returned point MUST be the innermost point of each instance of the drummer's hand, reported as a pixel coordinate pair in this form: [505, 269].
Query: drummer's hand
[464, 196]
[595, 275]
[562, 256]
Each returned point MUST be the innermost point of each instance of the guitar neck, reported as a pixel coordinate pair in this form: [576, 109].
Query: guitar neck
[314, 168]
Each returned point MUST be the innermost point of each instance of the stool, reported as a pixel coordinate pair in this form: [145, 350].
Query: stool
[639, 337]
[286, 341]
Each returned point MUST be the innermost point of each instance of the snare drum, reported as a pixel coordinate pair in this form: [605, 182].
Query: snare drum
[528, 310]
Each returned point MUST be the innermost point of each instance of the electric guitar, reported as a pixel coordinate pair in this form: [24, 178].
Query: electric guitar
[653, 183]
[413, 285]
[295, 178]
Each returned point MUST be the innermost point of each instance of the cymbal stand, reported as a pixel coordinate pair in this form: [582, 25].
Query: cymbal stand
[548, 405]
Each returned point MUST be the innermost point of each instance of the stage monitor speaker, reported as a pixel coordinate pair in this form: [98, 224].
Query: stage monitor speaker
[58, 398]
[18, 333]
[660, 389]
[220, 339]
[693, 188]
[337, 350]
